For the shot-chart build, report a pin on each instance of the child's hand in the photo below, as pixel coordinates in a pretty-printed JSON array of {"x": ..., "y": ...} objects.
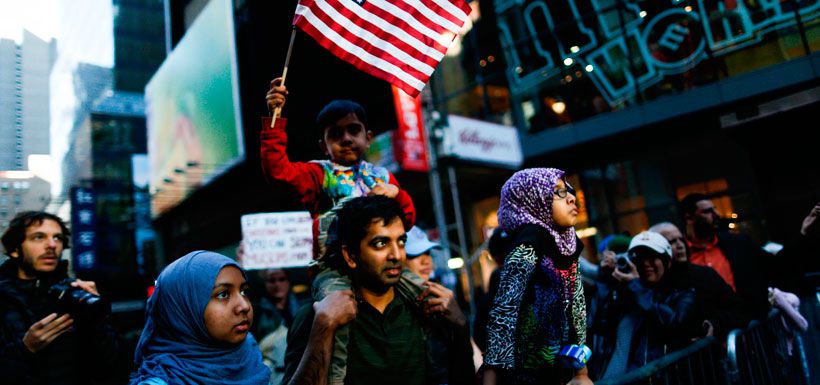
[
  {"x": 276, "y": 95},
  {"x": 440, "y": 300},
  {"x": 385, "y": 189}
]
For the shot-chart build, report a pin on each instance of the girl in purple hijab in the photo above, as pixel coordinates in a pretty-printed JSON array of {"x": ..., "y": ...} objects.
[{"x": 540, "y": 307}]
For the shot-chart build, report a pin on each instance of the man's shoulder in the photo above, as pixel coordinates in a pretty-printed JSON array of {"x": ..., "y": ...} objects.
[
  {"x": 10, "y": 290},
  {"x": 735, "y": 240},
  {"x": 699, "y": 273}
]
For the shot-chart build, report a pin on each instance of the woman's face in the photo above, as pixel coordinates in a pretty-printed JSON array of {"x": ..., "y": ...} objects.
[
  {"x": 229, "y": 313},
  {"x": 421, "y": 265},
  {"x": 277, "y": 284},
  {"x": 564, "y": 210}
]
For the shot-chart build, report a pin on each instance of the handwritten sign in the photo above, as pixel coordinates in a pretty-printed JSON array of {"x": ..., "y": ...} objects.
[{"x": 273, "y": 240}]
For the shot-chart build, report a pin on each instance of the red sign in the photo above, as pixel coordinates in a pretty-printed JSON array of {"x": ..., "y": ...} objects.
[{"x": 410, "y": 144}]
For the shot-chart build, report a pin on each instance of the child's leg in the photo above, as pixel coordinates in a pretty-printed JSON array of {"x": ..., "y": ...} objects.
[
  {"x": 410, "y": 285},
  {"x": 327, "y": 281}
]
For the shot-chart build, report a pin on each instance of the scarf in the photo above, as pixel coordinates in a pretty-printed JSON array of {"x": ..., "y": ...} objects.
[
  {"x": 527, "y": 198},
  {"x": 175, "y": 345}
]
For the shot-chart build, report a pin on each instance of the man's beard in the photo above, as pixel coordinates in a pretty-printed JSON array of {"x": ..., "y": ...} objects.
[
  {"x": 704, "y": 230},
  {"x": 372, "y": 282},
  {"x": 27, "y": 266}
]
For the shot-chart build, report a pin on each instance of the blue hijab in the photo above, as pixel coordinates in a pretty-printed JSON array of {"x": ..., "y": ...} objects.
[{"x": 175, "y": 345}]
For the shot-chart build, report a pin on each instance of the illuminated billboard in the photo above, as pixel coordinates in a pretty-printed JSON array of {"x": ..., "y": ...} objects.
[{"x": 192, "y": 110}]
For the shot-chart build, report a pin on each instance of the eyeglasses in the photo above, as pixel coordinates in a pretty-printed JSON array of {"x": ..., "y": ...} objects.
[{"x": 562, "y": 192}]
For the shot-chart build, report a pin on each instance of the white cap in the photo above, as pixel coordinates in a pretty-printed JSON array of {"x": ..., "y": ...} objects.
[
  {"x": 417, "y": 243},
  {"x": 653, "y": 241}
]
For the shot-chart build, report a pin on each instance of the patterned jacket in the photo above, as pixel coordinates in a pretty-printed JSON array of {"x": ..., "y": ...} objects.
[{"x": 539, "y": 306}]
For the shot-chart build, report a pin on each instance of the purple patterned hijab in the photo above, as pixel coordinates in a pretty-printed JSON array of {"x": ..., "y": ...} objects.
[{"x": 527, "y": 198}]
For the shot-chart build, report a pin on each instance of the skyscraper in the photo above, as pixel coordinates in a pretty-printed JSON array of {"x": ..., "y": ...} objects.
[{"x": 24, "y": 99}]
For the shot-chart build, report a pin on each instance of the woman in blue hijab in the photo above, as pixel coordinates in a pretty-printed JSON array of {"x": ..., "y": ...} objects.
[{"x": 196, "y": 329}]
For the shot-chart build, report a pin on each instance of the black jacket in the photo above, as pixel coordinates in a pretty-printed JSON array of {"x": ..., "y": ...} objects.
[
  {"x": 665, "y": 322},
  {"x": 754, "y": 270},
  {"x": 716, "y": 301},
  {"x": 77, "y": 357},
  {"x": 799, "y": 263}
]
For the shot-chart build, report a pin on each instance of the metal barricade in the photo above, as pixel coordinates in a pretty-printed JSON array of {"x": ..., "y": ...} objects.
[
  {"x": 766, "y": 352},
  {"x": 701, "y": 363}
]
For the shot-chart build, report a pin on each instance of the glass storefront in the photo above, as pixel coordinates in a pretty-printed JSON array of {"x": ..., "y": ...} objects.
[{"x": 542, "y": 64}]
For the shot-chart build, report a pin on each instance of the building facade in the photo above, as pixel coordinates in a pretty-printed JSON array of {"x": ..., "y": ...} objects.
[
  {"x": 21, "y": 191},
  {"x": 24, "y": 99},
  {"x": 99, "y": 167},
  {"x": 645, "y": 102}
]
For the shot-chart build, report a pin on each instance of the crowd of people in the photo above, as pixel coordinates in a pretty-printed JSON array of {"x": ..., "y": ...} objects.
[{"x": 376, "y": 313}]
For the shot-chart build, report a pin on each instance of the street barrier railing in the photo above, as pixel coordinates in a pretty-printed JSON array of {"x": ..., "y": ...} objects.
[
  {"x": 766, "y": 352},
  {"x": 701, "y": 363}
]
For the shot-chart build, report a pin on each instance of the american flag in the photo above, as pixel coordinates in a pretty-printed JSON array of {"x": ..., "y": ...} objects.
[{"x": 400, "y": 41}]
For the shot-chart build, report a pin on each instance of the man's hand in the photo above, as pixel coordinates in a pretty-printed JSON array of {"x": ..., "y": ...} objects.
[
  {"x": 810, "y": 219},
  {"x": 88, "y": 286},
  {"x": 45, "y": 331},
  {"x": 626, "y": 277},
  {"x": 440, "y": 300},
  {"x": 385, "y": 189},
  {"x": 708, "y": 331},
  {"x": 708, "y": 328},
  {"x": 276, "y": 95},
  {"x": 337, "y": 309}
]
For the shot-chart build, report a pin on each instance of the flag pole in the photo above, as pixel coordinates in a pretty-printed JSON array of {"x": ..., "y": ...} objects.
[{"x": 278, "y": 110}]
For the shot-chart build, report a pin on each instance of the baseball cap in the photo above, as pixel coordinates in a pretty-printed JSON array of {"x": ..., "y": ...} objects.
[
  {"x": 652, "y": 240},
  {"x": 616, "y": 243},
  {"x": 417, "y": 243}
]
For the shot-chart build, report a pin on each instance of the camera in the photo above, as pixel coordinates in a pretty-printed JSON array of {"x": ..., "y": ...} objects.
[
  {"x": 78, "y": 302},
  {"x": 622, "y": 263}
]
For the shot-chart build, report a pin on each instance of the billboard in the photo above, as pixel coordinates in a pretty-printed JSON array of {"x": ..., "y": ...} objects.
[
  {"x": 484, "y": 142},
  {"x": 193, "y": 110}
]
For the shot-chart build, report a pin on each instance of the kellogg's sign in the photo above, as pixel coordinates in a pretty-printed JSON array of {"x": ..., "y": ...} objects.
[{"x": 482, "y": 141}]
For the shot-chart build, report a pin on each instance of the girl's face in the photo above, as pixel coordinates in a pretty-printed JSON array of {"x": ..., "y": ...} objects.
[
  {"x": 422, "y": 265},
  {"x": 564, "y": 210},
  {"x": 229, "y": 313}
]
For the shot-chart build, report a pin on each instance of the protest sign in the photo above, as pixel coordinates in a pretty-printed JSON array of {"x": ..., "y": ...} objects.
[{"x": 275, "y": 240}]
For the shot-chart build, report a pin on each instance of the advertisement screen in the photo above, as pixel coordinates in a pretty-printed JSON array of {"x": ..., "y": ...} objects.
[{"x": 192, "y": 108}]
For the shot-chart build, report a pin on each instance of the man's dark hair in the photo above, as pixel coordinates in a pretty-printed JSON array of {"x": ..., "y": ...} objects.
[
  {"x": 355, "y": 217},
  {"x": 336, "y": 110},
  {"x": 16, "y": 233},
  {"x": 689, "y": 203},
  {"x": 499, "y": 244}
]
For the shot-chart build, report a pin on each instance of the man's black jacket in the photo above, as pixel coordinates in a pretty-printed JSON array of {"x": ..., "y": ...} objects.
[{"x": 80, "y": 356}]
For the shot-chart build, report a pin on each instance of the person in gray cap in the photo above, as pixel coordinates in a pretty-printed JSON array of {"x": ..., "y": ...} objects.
[
  {"x": 642, "y": 316},
  {"x": 418, "y": 248}
]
